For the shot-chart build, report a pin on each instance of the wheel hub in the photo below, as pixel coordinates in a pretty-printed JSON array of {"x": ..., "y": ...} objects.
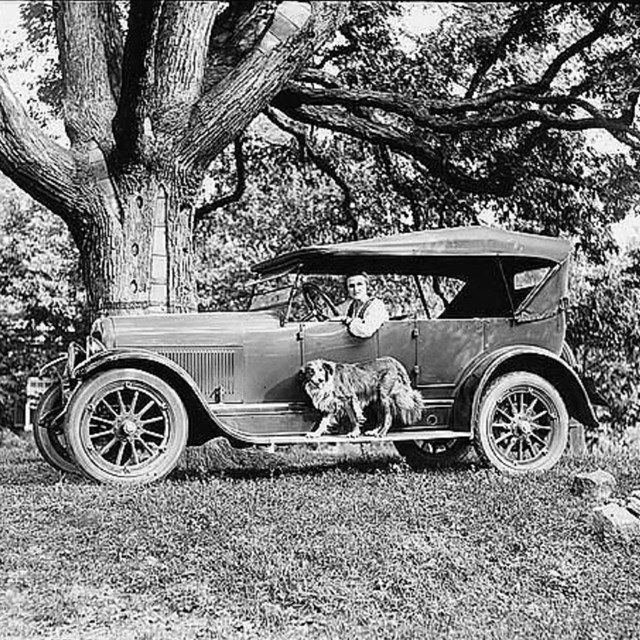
[
  {"x": 129, "y": 428},
  {"x": 522, "y": 427}
]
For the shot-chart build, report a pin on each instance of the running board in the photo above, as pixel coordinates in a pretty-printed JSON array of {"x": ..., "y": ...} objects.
[{"x": 424, "y": 434}]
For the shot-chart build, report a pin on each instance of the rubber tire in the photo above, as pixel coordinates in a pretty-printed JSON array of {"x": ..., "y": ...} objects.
[
  {"x": 52, "y": 448},
  {"x": 77, "y": 428},
  {"x": 482, "y": 432},
  {"x": 417, "y": 458}
]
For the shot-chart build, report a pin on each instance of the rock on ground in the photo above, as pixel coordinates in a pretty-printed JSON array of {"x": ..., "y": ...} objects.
[
  {"x": 597, "y": 485},
  {"x": 614, "y": 520}
]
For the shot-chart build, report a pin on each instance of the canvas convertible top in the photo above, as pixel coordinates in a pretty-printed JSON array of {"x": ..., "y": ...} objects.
[{"x": 460, "y": 249}]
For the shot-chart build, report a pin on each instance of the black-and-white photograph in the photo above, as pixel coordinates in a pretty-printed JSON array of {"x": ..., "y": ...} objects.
[{"x": 319, "y": 320}]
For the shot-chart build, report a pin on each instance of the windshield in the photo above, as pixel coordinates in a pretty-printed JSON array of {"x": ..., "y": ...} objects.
[{"x": 319, "y": 297}]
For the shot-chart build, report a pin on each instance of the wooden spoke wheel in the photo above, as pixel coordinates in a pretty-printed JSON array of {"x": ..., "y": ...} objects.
[
  {"x": 126, "y": 426},
  {"x": 522, "y": 424}
]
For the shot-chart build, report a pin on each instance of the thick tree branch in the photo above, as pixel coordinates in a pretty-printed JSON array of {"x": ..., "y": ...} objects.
[
  {"x": 322, "y": 162},
  {"x": 224, "y": 112},
  {"x": 206, "y": 209},
  {"x": 499, "y": 183},
  {"x": 422, "y": 112},
  {"x": 164, "y": 64},
  {"x": 35, "y": 163},
  {"x": 297, "y": 95},
  {"x": 113, "y": 46},
  {"x": 181, "y": 54},
  {"x": 85, "y": 58},
  {"x": 318, "y": 76}
]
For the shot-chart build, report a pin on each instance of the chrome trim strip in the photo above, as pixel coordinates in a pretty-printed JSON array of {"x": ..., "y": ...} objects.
[
  {"x": 297, "y": 438},
  {"x": 444, "y": 385}
]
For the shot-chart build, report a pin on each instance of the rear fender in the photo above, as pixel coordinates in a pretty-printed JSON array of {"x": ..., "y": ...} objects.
[
  {"x": 202, "y": 423},
  {"x": 544, "y": 363}
]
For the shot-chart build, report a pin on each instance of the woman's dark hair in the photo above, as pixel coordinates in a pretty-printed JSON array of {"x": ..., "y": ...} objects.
[{"x": 353, "y": 274}]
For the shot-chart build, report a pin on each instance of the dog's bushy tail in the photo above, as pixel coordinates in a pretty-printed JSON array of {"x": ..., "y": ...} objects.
[{"x": 408, "y": 406}]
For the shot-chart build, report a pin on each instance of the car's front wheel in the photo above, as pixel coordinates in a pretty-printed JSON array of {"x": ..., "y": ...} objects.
[
  {"x": 421, "y": 454},
  {"x": 126, "y": 426},
  {"x": 522, "y": 423},
  {"x": 48, "y": 432}
]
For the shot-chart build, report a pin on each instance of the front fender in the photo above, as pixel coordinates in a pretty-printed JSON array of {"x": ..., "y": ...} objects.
[
  {"x": 524, "y": 358},
  {"x": 203, "y": 424}
]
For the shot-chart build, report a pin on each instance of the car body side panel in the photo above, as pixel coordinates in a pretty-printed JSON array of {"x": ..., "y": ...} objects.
[
  {"x": 272, "y": 360},
  {"x": 444, "y": 347},
  {"x": 546, "y": 333}
]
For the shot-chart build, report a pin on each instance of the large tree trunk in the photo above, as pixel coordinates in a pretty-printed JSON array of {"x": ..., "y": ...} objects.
[{"x": 141, "y": 260}]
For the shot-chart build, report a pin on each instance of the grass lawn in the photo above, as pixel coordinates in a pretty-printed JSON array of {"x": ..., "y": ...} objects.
[{"x": 303, "y": 544}]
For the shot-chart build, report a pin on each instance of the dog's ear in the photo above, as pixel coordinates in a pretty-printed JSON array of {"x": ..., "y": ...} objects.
[{"x": 329, "y": 368}]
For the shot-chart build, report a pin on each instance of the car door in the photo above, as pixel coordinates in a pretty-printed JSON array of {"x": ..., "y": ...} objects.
[
  {"x": 332, "y": 341},
  {"x": 445, "y": 347},
  {"x": 398, "y": 338}
]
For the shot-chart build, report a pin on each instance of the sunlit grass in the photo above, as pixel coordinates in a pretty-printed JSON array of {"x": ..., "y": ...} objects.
[{"x": 307, "y": 543}]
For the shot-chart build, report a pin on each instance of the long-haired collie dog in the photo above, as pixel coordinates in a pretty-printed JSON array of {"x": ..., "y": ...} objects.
[{"x": 348, "y": 393}]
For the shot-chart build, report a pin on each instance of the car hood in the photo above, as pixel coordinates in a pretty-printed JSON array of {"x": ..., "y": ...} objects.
[{"x": 177, "y": 330}]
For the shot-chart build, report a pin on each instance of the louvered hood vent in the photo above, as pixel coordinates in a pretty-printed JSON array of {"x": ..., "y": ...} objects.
[{"x": 216, "y": 370}]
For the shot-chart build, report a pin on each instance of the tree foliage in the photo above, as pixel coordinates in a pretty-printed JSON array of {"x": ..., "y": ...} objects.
[
  {"x": 604, "y": 328},
  {"x": 40, "y": 297}
]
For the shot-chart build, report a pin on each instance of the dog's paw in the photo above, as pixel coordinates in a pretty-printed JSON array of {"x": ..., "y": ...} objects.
[
  {"x": 356, "y": 433},
  {"x": 313, "y": 435}
]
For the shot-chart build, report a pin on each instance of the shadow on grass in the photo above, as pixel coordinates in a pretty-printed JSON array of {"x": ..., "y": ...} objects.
[
  {"x": 251, "y": 464},
  {"x": 362, "y": 467},
  {"x": 21, "y": 465}
]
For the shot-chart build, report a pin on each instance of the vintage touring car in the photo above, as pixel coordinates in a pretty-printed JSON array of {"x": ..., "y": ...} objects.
[{"x": 477, "y": 317}]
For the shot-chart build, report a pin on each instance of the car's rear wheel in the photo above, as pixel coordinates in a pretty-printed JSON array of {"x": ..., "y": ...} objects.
[
  {"x": 48, "y": 431},
  {"x": 421, "y": 454},
  {"x": 522, "y": 424},
  {"x": 126, "y": 426}
]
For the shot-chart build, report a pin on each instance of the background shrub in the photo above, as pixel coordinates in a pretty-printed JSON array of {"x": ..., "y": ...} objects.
[{"x": 40, "y": 296}]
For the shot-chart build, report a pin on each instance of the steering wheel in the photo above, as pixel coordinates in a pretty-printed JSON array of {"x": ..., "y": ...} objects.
[{"x": 319, "y": 303}]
